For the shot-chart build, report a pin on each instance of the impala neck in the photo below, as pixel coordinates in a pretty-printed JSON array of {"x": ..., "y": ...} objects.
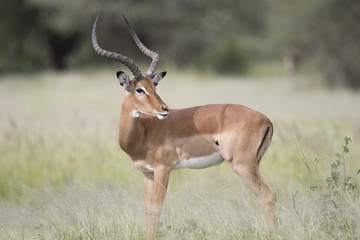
[{"x": 130, "y": 129}]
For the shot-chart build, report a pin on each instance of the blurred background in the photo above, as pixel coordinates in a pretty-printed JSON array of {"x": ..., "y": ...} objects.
[
  {"x": 62, "y": 173},
  {"x": 232, "y": 37}
]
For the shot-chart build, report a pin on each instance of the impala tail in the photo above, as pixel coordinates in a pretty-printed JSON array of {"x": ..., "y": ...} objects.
[{"x": 265, "y": 143}]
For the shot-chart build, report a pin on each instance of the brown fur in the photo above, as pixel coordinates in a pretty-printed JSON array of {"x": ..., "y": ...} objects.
[{"x": 155, "y": 146}]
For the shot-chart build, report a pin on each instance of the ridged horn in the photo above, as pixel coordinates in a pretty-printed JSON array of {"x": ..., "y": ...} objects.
[
  {"x": 115, "y": 56},
  {"x": 153, "y": 55}
]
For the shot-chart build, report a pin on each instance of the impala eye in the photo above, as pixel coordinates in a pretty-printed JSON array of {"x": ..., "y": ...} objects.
[{"x": 140, "y": 90}]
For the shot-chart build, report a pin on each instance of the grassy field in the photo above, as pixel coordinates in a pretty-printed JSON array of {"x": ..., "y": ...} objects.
[{"x": 63, "y": 175}]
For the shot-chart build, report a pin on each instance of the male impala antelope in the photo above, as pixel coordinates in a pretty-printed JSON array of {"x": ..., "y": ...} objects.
[{"x": 159, "y": 139}]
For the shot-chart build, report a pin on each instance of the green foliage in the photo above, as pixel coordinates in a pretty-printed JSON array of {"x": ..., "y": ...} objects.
[
  {"x": 56, "y": 34},
  {"x": 19, "y": 44},
  {"x": 336, "y": 37},
  {"x": 229, "y": 57},
  {"x": 39, "y": 34},
  {"x": 336, "y": 196},
  {"x": 326, "y": 32}
]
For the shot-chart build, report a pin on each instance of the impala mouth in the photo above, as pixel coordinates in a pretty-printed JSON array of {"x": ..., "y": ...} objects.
[{"x": 162, "y": 116}]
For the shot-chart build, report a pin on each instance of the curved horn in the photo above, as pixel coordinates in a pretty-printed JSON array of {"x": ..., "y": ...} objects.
[
  {"x": 153, "y": 55},
  {"x": 115, "y": 56}
]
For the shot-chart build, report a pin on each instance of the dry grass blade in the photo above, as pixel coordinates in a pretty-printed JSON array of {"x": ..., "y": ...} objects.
[{"x": 303, "y": 156}]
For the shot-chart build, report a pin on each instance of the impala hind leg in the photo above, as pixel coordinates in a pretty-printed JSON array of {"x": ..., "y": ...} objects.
[{"x": 251, "y": 175}]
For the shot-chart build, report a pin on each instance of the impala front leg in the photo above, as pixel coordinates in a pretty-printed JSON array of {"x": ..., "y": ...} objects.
[
  {"x": 155, "y": 190},
  {"x": 149, "y": 186}
]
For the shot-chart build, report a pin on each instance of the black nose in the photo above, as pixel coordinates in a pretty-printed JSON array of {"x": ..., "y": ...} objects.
[{"x": 165, "y": 109}]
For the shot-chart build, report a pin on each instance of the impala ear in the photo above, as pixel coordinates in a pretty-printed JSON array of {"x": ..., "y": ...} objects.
[
  {"x": 157, "y": 78},
  {"x": 124, "y": 80}
]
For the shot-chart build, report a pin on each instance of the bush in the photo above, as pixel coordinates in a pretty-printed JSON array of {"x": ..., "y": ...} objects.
[
  {"x": 229, "y": 57},
  {"x": 336, "y": 197}
]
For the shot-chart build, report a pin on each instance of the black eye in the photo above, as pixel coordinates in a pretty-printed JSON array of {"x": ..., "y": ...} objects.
[{"x": 140, "y": 90}]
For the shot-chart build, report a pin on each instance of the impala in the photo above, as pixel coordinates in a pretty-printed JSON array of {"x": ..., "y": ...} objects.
[{"x": 159, "y": 139}]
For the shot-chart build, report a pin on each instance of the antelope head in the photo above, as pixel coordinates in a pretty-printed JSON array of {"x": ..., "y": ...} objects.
[{"x": 141, "y": 90}]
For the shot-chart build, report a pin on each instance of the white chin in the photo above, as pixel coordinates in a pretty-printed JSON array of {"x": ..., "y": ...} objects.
[{"x": 161, "y": 117}]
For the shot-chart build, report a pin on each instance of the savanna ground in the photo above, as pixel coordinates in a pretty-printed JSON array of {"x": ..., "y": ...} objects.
[{"x": 63, "y": 176}]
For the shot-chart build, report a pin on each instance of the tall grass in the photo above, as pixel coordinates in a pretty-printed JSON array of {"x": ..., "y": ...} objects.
[{"x": 63, "y": 176}]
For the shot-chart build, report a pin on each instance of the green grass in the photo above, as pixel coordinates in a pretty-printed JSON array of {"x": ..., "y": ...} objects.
[{"x": 63, "y": 176}]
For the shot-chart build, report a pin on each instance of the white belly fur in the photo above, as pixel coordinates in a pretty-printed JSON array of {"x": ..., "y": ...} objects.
[
  {"x": 147, "y": 169},
  {"x": 201, "y": 162}
]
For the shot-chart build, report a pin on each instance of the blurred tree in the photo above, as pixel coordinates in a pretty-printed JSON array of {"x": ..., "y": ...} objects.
[
  {"x": 182, "y": 31},
  {"x": 18, "y": 28},
  {"x": 325, "y": 32},
  {"x": 223, "y": 36},
  {"x": 337, "y": 40},
  {"x": 63, "y": 27}
]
